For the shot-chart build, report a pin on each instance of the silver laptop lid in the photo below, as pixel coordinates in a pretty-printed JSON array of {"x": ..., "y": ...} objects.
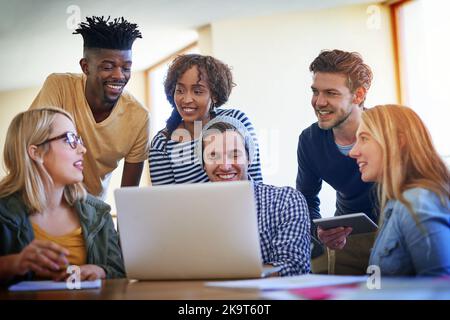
[{"x": 195, "y": 231}]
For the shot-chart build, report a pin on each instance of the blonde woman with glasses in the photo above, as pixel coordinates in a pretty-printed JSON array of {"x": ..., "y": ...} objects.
[
  {"x": 394, "y": 149},
  {"x": 47, "y": 220}
]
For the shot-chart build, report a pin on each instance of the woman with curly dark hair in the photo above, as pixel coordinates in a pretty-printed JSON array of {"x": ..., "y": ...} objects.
[{"x": 196, "y": 86}]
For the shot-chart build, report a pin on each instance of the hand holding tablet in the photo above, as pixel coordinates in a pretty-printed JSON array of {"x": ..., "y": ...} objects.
[
  {"x": 333, "y": 231},
  {"x": 359, "y": 222}
]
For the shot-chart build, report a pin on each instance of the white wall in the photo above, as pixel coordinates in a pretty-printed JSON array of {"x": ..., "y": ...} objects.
[
  {"x": 270, "y": 57},
  {"x": 11, "y": 103}
]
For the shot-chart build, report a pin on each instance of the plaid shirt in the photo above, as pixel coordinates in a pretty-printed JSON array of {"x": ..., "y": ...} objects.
[{"x": 284, "y": 225}]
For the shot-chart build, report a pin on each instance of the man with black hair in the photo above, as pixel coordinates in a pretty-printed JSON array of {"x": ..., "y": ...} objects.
[{"x": 112, "y": 123}]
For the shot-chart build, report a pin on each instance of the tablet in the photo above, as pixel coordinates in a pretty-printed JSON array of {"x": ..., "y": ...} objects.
[{"x": 360, "y": 223}]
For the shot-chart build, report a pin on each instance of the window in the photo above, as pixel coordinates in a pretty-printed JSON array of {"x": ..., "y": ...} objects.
[{"x": 422, "y": 33}]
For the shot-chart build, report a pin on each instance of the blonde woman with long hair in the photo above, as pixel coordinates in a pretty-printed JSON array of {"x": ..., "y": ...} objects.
[
  {"x": 47, "y": 220},
  {"x": 395, "y": 150}
]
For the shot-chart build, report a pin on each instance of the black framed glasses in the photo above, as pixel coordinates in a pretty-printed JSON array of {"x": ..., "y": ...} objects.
[{"x": 71, "y": 138}]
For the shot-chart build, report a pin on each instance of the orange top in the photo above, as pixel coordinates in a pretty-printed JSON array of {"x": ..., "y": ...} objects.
[{"x": 73, "y": 241}]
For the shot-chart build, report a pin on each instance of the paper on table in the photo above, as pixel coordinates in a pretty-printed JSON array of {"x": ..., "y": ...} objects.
[
  {"x": 52, "y": 285},
  {"x": 296, "y": 282}
]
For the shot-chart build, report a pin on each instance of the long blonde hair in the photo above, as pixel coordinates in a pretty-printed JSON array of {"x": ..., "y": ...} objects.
[
  {"x": 24, "y": 175},
  {"x": 409, "y": 157}
]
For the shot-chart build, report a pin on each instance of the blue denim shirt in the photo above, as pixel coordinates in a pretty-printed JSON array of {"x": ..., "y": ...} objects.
[{"x": 402, "y": 248}]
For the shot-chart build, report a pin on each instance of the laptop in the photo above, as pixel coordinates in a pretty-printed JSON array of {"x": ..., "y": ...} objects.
[{"x": 190, "y": 231}]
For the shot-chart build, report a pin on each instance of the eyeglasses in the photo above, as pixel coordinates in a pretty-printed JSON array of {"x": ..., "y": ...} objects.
[{"x": 71, "y": 138}]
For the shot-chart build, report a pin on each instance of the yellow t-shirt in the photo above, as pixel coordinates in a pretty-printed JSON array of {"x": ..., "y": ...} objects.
[
  {"x": 73, "y": 241},
  {"x": 124, "y": 134}
]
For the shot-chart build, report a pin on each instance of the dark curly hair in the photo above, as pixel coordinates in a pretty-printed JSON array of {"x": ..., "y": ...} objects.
[
  {"x": 350, "y": 64},
  {"x": 216, "y": 73},
  {"x": 98, "y": 32}
]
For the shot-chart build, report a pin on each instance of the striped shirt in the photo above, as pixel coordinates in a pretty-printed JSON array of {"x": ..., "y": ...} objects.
[
  {"x": 283, "y": 223},
  {"x": 174, "y": 162}
]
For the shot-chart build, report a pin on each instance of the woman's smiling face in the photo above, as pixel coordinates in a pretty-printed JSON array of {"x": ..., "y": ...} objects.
[
  {"x": 193, "y": 96},
  {"x": 368, "y": 154}
]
